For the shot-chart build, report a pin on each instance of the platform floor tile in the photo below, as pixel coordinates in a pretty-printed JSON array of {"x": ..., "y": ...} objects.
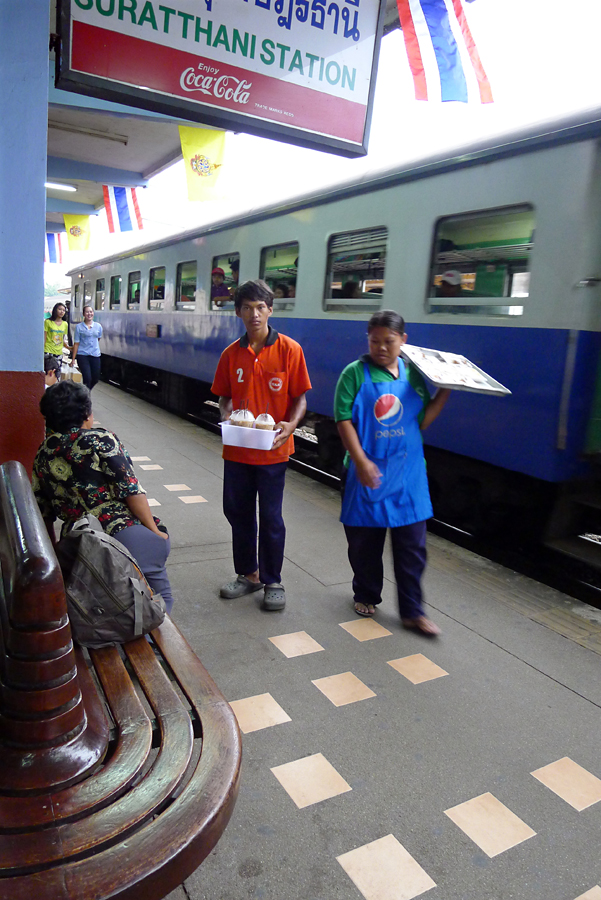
[
  {"x": 140, "y": 459},
  {"x": 490, "y": 824},
  {"x": 344, "y": 688},
  {"x": 193, "y": 499},
  {"x": 417, "y": 668},
  {"x": 153, "y": 502},
  {"x": 256, "y": 713},
  {"x": 177, "y": 487},
  {"x": 385, "y": 870},
  {"x": 154, "y": 467},
  {"x": 298, "y": 643},
  {"x": 571, "y": 782},
  {"x": 365, "y": 629},
  {"x": 310, "y": 780},
  {"x": 593, "y": 894}
]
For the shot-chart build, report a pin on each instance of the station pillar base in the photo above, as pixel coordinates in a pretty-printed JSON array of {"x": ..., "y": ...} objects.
[{"x": 21, "y": 424}]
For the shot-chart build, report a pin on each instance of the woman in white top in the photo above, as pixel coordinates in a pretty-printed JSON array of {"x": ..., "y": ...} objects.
[{"x": 86, "y": 349}]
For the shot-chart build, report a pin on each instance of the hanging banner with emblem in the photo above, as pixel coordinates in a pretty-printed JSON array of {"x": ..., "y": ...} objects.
[{"x": 300, "y": 71}]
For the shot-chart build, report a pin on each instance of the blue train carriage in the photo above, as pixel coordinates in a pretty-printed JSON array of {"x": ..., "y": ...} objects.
[{"x": 516, "y": 222}]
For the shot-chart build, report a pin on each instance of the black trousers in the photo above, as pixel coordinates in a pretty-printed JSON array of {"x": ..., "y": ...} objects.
[
  {"x": 365, "y": 550},
  {"x": 90, "y": 369}
]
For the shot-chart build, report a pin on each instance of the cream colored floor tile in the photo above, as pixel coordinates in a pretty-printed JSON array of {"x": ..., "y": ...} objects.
[
  {"x": 384, "y": 870},
  {"x": 151, "y": 468},
  {"x": 417, "y": 668},
  {"x": 593, "y": 894},
  {"x": 298, "y": 643},
  {"x": 490, "y": 824},
  {"x": 261, "y": 711},
  {"x": 343, "y": 689},
  {"x": 571, "y": 782},
  {"x": 365, "y": 629},
  {"x": 177, "y": 487},
  {"x": 310, "y": 780},
  {"x": 140, "y": 459},
  {"x": 152, "y": 502},
  {"x": 196, "y": 499}
]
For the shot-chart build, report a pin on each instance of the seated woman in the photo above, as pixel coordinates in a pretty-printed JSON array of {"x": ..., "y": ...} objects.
[{"x": 80, "y": 469}]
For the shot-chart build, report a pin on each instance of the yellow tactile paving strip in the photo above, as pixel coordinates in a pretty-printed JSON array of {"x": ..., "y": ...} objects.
[
  {"x": 571, "y": 782},
  {"x": 384, "y": 870}
]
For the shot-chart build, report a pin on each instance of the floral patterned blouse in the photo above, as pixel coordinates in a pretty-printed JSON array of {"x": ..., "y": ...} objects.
[{"x": 85, "y": 471}]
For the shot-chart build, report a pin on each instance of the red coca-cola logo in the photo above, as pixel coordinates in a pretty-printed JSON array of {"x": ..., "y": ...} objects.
[{"x": 224, "y": 87}]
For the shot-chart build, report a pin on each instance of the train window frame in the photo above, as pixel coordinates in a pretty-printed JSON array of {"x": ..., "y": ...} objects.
[
  {"x": 371, "y": 240},
  {"x": 115, "y": 301},
  {"x": 224, "y": 261},
  {"x": 283, "y": 303},
  {"x": 76, "y": 295},
  {"x": 100, "y": 293},
  {"x": 134, "y": 278},
  {"x": 187, "y": 305},
  {"x": 506, "y": 259},
  {"x": 156, "y": 304},
  {"x": 88, "y": 299}
]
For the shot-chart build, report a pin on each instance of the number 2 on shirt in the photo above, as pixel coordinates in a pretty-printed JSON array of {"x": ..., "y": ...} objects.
[{"x": 240, "y": 373}]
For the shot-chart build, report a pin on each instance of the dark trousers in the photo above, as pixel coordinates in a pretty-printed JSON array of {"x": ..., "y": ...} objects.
[
  {"x": 150, "y": 552},
  {"x": 242, "y": 484},
  {"x": 365, "y": 549},
  {"x": 89, "y": 367}
]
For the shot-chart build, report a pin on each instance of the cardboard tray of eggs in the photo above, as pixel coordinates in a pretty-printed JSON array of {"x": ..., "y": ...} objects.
[
  {"x": 243, "y": 430},
  {"x": 450, "y": 370}
]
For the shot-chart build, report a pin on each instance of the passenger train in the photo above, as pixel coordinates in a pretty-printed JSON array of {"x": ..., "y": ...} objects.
[{"x": 518, "y": 221}]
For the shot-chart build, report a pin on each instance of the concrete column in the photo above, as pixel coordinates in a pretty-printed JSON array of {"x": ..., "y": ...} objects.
[{"x": 24, "y": 36}]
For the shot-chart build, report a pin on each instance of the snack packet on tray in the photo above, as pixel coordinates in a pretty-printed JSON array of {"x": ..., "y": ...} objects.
[{"x": 450, "y": 370}]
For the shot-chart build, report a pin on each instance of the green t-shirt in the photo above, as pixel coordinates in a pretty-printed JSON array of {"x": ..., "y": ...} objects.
[
  {"x": 353, "y": 377},
  {"x": 54, "y": 333}
]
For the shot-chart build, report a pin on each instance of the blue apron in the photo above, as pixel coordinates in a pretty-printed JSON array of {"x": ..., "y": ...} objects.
[{"x": 385, "y": 415}]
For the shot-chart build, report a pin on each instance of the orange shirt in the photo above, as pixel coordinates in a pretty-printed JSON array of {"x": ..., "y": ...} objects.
[{"x": 277, "y": 376}]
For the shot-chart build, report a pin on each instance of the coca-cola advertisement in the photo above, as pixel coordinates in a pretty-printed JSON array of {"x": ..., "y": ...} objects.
[{"x": 301, "y": 71}]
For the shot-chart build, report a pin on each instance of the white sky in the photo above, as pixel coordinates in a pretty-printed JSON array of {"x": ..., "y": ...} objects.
[{"x": 540, "y": 56}]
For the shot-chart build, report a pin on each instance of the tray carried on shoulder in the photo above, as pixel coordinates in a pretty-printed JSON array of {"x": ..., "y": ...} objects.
[{"x": 451, "y": 370}]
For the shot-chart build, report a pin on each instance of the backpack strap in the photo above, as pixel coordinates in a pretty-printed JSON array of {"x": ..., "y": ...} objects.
[
  {"x": 138, "y": 607},
  {"x": 88, "y": 521}
]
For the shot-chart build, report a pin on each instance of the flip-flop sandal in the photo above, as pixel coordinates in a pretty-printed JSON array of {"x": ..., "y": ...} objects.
[
  {"x": 365, "y": 611},
  {"x": 423, "y": 625}
]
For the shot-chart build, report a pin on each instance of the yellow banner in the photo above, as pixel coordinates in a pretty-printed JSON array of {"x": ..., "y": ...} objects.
[
  {"x": 203, "y": 151},
  {"x": 78, "y": 232}
]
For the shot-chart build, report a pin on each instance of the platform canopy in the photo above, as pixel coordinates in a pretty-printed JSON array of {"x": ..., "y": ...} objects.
[{"x": 94, "y": 142}]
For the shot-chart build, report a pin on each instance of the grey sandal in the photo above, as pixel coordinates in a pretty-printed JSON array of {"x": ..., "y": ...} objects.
[{"x": 275, "y": 597}]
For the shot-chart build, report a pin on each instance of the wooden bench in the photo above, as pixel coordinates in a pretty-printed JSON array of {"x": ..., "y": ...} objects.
[{"x": 119, "y": 768}]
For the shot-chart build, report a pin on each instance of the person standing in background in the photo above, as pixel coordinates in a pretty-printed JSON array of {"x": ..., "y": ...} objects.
[
  {"x": 56, "y": 331},
  {"x": 86, "y": 348}
]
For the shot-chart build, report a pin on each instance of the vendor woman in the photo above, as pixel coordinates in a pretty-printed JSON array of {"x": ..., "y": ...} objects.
[{"x": 381, "y": 406}]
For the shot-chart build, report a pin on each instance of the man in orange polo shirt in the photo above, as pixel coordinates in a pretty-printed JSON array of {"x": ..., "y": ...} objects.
[{"x": 263, "y": 369}]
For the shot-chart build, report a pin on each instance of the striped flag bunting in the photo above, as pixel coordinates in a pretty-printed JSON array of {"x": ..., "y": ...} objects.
[
  {"x": 443, "y": 57},
  {"x": 122, "y": 210},
  {"x": 53, "y": 248}
]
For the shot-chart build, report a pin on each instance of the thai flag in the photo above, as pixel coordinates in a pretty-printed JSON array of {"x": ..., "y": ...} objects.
[
  {"x": 122, "y": 210},
  {"x": 442, "y": 54},
  {"x": 53, "y": 249}
]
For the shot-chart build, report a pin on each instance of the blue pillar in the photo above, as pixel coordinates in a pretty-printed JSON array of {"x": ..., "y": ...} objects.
[{"x": 24, "y": 36}]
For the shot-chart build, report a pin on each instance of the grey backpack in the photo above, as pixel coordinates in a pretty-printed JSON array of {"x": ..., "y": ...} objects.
[{"x": 108, "y": 598}]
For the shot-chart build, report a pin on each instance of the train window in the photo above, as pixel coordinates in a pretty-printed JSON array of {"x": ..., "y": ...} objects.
[
  {"x": 224, "y": 285},
  {"x": 481, "y": 262},
  {"x": 87, "y": 293},
  {"x": 185, "y": 289},
  {"x": 133, "y": 290},
  {"x": 279, "y": 265},
  {"x": 156, "y": 289},
  {"x": 76, "y": 296},
  {"x": 356, "y": 265},
  {"x": 115, "y": 292},
  {"x": 100, "y": 293}
]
